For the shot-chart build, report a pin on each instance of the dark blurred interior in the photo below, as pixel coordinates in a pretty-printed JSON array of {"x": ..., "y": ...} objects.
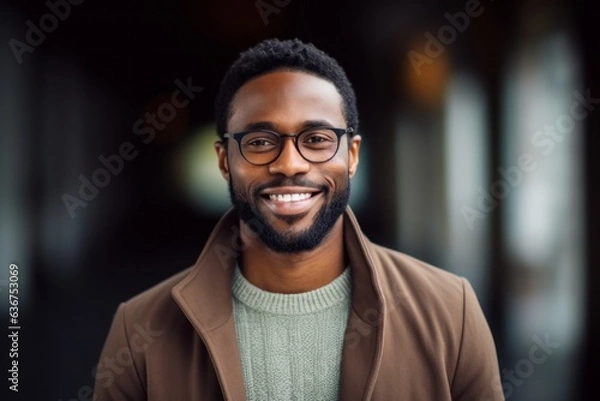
[{"x": 472, "y": 160}]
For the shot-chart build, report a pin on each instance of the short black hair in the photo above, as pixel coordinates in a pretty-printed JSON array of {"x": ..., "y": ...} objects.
[{"x": 274, "y": 54}]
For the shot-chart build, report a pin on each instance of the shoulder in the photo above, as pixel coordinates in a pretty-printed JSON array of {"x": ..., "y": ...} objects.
[
  {"x": 435, "y": 318},
  {"x": 149, "y": 318},
  {"x": 156, "y": 303},
  {"x": 432, "y": 303},
  {"x": 402, "y": 275},
  {"x": 434, "y": 300}
]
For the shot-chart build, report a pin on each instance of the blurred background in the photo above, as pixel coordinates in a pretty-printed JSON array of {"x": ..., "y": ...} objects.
[{"x": 480, "y": 124}]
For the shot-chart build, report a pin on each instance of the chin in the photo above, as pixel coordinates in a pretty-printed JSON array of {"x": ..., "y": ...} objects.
[{"x": 291, "y": 233}]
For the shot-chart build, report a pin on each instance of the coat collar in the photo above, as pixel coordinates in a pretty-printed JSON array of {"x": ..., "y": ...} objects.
[{"x": 205, "y": 298}]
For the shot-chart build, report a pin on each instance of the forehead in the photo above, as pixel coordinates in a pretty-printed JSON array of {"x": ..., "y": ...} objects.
[{"x": 286, "y": 99}]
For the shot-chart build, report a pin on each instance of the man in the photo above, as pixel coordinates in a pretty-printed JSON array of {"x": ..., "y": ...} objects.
[{"x": 289, "y": 300}]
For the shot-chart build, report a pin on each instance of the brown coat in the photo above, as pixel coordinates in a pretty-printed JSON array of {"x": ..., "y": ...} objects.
[{"x": 415, "y": 332}]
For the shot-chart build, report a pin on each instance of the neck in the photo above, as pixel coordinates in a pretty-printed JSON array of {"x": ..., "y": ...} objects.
[{"x": 293, "y": 273}]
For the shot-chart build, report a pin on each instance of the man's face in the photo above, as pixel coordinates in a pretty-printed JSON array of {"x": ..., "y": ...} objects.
[{"x": 292, "y": 202}]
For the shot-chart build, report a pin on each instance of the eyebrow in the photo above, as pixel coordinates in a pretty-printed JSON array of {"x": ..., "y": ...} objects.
[{"x": 272, "y": 127}]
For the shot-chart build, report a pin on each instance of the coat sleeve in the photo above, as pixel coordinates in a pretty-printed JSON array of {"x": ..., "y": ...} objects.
[
  {"x": 477, "y": 377},
  {"x": 117, "y": 377}
]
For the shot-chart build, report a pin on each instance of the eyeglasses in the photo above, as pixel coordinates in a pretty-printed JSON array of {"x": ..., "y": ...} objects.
[{"x": 316, "y": 145}]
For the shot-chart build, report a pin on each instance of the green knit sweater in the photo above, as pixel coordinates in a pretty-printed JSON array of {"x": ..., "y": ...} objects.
[{"x": 291, "y": 344}]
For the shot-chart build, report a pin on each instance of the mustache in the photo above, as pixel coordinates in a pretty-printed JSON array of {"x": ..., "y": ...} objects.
[{"x": 290, "y": 181}]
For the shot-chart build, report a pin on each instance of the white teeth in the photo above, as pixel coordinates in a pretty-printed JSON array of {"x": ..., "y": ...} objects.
[{"x": 289, "y": 197}]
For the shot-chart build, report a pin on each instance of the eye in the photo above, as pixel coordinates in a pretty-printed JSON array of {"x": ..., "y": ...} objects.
[
  {"x": 260, "y": 142},
  {"x": 316, "y": 139},
  {"x": 319, "y": 139}
]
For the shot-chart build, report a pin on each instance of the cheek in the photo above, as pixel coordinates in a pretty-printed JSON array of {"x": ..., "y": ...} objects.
[
  {"x": 244, "y": 176},
  {"x": 336, "y": 174},
  {"x": 237, "y": 168},
  {"x": 340, "y": 166}
]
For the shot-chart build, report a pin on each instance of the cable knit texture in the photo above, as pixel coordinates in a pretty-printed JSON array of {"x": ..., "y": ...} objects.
[{"x": 291, "y": 344}]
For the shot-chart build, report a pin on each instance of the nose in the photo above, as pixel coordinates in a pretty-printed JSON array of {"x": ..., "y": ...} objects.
[{"x": 290, "y": 162}]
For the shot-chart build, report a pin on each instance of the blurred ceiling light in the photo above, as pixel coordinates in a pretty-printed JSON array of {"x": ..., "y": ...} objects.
[
  {"x": 427, "y": 86},
  {"x": 197, "y": 172}
]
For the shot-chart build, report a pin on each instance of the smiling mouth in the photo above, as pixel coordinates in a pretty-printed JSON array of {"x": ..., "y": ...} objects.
[
  {"x": 291, "y": 200},
  {"x": 295, "y": 197}
]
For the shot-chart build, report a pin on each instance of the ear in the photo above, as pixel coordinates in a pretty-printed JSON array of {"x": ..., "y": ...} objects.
[
  {"x": 353, "y": 148},
  {"x": 223, "y": 161}
]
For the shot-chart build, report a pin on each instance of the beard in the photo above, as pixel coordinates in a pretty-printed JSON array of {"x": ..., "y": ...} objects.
[{"x": 290, "y": 242}]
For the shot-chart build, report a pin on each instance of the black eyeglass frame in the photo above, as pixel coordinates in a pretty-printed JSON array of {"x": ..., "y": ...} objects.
[{"x": 238, "y": 136}]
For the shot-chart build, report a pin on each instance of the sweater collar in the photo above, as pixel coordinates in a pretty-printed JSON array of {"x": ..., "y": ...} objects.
[{"x": 329, "y": 295}]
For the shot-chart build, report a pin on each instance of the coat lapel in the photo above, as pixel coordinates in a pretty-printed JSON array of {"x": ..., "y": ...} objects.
[
  {"x": 363, "y": 343},
  {"x": 205, "y": 298}
]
